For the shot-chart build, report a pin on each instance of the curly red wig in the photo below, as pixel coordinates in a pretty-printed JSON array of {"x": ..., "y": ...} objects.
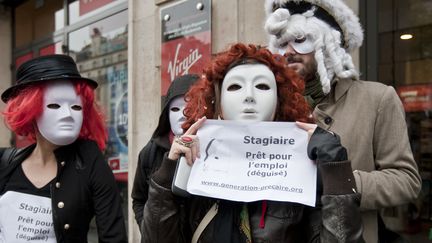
[
  {"x": 203, "y": 97},
  {"x": 22, "y": 110}
]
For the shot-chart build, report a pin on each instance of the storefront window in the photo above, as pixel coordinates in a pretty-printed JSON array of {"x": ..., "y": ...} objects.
[
  {"x": 405, "y": 61},
  {"x": 100, "y": 51},
  {"x": 35, "y": 20}
]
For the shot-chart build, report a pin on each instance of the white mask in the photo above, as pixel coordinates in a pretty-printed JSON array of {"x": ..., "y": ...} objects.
[
  {"x": 176, "y": 116},
  {"x": 62, "y": 115},
  {"x": 303, "y": 45},
  {"x": 249, "y": 92}
]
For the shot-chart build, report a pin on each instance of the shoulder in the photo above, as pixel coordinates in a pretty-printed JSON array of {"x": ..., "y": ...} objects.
[
  {"x": 371, "y": 87},
  {"x": 88, "y": 150},
  {"x": 377, "y": 96},
  {"x": 12, "y": 154},
  {"x": 154, "y": 145},
  {"x": 147, "y": 147},
  {"x": 369, "y": 91}
]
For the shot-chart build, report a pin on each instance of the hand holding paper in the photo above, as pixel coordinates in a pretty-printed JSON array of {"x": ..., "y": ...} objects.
[
  {"x": 249, "y": 161},
  {"x": 188, "y": 144}
]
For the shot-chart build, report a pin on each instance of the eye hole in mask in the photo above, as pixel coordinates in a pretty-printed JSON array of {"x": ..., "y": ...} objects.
[{"x": 302, "y": 45}]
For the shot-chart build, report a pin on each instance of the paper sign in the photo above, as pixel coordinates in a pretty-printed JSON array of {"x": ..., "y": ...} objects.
[
  {"x": 29, "y": 218},
  {"x": 244, "y": 161}
]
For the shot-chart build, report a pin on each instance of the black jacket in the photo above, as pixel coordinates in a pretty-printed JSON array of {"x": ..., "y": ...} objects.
[
  {"x": 335, "y": 219},
  {"x": 149, "y": 159},
  {"x": 86, "y": 187},
  {"x": 168, "y": 221}
]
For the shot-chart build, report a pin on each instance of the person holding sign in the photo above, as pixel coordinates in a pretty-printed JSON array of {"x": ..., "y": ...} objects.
[
  {"x": 170, "y": 125},
  {"x": 51, "y": 190},
  {"x": 248, "y": 83}
]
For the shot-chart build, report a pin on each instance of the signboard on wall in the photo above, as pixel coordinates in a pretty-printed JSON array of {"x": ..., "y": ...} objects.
[
  {"x": 186, "y": 39},
  {"x": 416, "y": 98}
]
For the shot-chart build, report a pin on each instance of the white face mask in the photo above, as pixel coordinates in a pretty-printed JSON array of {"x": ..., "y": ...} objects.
[
  {"x": 176, "y": 117},
  {"x": 62, "y": 115},
  {"x": 249, "y": 92},
  {"x": 303, "y": 45}
]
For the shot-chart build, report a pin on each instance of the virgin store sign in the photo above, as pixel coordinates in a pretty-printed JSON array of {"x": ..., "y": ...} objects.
[{"x": 186, "y": 40}]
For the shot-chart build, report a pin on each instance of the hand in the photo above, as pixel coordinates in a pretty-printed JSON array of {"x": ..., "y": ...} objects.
[
  {"x": 187, "y": 144},
  {"x": 308, "y": 127},
  {"x": 325, "y": 146}
]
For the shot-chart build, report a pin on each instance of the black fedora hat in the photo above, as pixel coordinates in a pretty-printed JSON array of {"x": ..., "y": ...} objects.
[{"x": 42, "y": 69}]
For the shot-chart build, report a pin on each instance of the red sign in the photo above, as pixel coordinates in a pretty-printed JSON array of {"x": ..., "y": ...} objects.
[
  {"x": 186, "y": 40},
  {"x": 183, "y": 56},
  {"x": 114, "y": 163},
  {"x": 86, "y": 6},
  {"x": 47, "y": 50},
  {"x": 416, "y": 97},
  {"x": 22, "y": 59}
]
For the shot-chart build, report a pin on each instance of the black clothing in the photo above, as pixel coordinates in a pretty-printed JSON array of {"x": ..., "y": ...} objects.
[
  {"x": 166, "y": 220},
  {"x": 336, "y": 219},
  {"x": 149, "y": 160},
  {"x": 150, "y": 157},
  {"x": 84, "y": 187},
  {"x": 20, "y": 183}
]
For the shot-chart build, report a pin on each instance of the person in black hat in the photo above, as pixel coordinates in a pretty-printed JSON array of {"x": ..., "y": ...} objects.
[
  {"x": 169, "y": 126},
  {"x": 50, "y": 191}
]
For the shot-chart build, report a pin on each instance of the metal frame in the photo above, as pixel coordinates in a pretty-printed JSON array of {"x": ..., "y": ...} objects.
[{"x": 369, "y": 50}]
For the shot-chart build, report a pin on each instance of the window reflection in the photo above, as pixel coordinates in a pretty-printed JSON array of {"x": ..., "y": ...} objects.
[
  {"x": 406, "y": 64},
  {"x": 100, "y": 50}
]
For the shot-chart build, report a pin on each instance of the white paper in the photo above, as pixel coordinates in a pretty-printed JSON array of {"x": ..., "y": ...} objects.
[
  {"x": 250, "y": 161},
  {"x": 26, "y": 218}
]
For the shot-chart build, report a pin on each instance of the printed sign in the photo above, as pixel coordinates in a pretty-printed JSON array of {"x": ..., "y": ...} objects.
[
  {"x": 416, "y": 98},
  {"x": 253, "y": 161},
  {"x": 29, "y": 218},
  {"x": 186, "y": 37}
]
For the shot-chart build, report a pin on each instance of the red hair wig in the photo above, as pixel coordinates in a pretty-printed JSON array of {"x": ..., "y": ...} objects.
[
  {"x": 203, "y": 97},
  {"x": 22, "y": 110}
]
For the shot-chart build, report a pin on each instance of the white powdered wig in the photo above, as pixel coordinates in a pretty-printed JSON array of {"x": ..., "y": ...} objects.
[
  {"x": 332, "y": 59},
  {"x": 343, "y": 15}
]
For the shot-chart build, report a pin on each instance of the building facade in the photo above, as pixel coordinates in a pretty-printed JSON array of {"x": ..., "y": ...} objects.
[{"x": 119, "y": 44}]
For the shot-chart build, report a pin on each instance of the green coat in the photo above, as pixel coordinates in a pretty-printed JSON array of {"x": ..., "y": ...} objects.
[{"x": 370, "y": 119}]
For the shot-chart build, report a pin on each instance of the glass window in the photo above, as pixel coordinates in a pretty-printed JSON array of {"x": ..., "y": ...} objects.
[
  {"x": 81, "y": 9},
  {"x": 405, "y": 61},
  {"x": 93, "y": 47},
  {"x": 96, "y": 49},
  {"x": 35, "y": 20}
]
